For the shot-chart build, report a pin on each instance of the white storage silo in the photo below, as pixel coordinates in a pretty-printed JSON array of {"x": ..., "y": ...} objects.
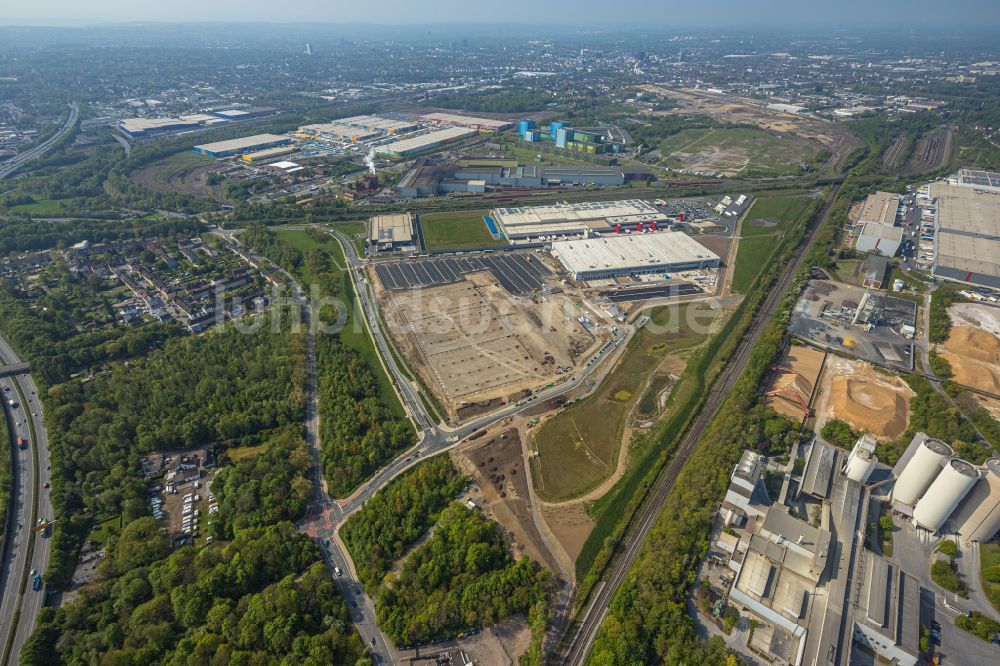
[
  {"x": 861, "y": 462},
  {"x": 860, "y": 465},
  {"x": 949, "y": 488},
  {"x": 978, "y": 517},
  {"x": 921, "y": 471}
]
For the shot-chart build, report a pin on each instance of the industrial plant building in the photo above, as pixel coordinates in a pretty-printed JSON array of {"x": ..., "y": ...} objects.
[
  {"x": 138, "y": 128},
  {"x": 566, "y": 219},
  {"x": 247, "y": 144},
  {"x": 984, "y": 180},
  {"x": 618, "y": 255},
  {"x": 789, "y": 574},
  {"x": 425, "y": 142},
  {"x": 940, "y": 491},
  {"x": 390, "y": 126},
  {"x": 391, "y": 232},
  {"x": 479, "y": 124},
  {"x": 966, "y": 239},
  {"x": 335, "y": 133},
  {"x": 268, "y": 153},
  {"x": 877, "y": 219}
]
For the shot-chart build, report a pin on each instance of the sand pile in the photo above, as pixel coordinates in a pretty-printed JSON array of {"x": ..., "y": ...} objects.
[
  {"x": 970, "y": 372},
  {"x": 873, "y": 407},
  {"x": 794, "y": 386},
  {"x": 973, "y": 343}
]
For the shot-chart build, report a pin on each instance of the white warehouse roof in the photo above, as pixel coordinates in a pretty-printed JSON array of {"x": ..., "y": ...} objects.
[{"x": 620, "y": 254}]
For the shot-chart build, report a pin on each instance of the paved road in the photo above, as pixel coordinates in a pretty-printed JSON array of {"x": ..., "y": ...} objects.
[
  {"x": 19, "y": 160},
  {"x": 597, "y": 608},
  {"x": 17, "y": 592},
  {"x": 326, "y": 515}
]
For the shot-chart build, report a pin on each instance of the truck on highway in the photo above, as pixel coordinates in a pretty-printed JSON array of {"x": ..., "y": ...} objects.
[
  {"x": 36, "y": 582},
  {"x": 21, "y": 442}
]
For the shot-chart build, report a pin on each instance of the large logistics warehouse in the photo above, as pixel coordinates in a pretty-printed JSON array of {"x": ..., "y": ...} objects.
[
  {"x": 879, "y": 232},
  {"x": 483, "y": 124},
  {"x": 566, "y": 219},
  {"x": 615, "y": 256},
  {"x": 336, "y": 132},
  {"x": 966, "y": 239},
  {"x": 425, "y": 142},
  {"x": 247, "y": 144}
]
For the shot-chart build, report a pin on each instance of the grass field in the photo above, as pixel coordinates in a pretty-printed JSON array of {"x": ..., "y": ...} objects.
[
  {"x": 105, "y": 530},
  {"x": 735, "y": 151},
  {"x": 526, "y": 155},
  {"x": 578, "y": 448},
  {"x": 989, "y": 553},
  {"x": 50, "y": 207},
  {"x": 759, "y": 242},
  {"x": 238, "y": 453},
  {"x": 466, "y": 228},
  {"x": 752, "y": 255},
  {"x": 773, "y": 209}
]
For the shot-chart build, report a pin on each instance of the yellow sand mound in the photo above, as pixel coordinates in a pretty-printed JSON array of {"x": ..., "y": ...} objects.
[
  {"x": 974, "y": 373},
  {"x": 868, "y": 406},
  {"x": 973, "y": 343}
]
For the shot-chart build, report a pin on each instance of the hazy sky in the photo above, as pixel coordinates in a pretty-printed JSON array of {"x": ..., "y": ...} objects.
[{"x": 651, "y": 13}]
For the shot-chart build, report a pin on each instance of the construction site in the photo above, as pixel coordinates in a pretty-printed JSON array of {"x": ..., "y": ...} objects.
[
  {"x": 868, "y": 400},
  {"x": 477, "y": 345}
]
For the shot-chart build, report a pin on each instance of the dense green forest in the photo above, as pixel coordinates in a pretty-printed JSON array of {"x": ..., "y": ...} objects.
[
  {"x": 263, "y": 598},
  {"x": 359, "y": 433},
  {"x": 513, "y": 100},
  {"x": 264, "y": 488},
  {"x": 222, "y": 387},
  {"x": 23, "y": 234},
  {"x": 462, "y": 577},
  {"x": 392, "y": 521},
  {"x": 6, "y": 476}
]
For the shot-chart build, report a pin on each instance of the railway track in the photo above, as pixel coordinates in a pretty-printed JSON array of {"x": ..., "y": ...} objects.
[{"x": 596, "y": 610}]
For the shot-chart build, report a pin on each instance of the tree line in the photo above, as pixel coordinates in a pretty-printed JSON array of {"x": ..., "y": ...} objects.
[
  {"x": 462, "y": 577},
  {"x": 224, "y": 387},
  {"x": 394, "y": 519},
  {"x": 262, "y": 598}
]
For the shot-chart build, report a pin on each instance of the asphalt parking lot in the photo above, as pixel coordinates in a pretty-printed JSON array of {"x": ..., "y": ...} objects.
[
  {"x": 647, "y": 293},
  {"x": 517, "y": 273}
]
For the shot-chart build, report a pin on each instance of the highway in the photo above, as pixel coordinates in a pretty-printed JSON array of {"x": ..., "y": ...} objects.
[
  {"x": 26, "y": 550},
  {"x": 596, "y": 609},
  {"x": 19, "y": 160}
]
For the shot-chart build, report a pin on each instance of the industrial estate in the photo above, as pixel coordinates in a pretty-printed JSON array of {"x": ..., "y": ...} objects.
[{"x": 569, "y": 349}]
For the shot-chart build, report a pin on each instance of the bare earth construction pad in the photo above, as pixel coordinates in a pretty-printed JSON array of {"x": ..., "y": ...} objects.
[
  {"x": 869, "y": 401},
  {"x": 473, "y": 343}
]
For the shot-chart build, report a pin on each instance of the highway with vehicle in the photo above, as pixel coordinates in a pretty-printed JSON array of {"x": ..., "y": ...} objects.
[
  {"x": 26, "y": 552},
  {"x": 13, "y": 164},
  {"x": 585, "y": 631}
]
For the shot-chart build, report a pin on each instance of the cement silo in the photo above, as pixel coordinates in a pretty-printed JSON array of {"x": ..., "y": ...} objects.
[
  {"x": 978, "y": 517},
  {"x": 861, "y": 462},
  {"x": 921, "y": 471},
  {"x": 860, "y": 466},
  {"x": 949, "y": 488}
]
